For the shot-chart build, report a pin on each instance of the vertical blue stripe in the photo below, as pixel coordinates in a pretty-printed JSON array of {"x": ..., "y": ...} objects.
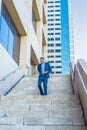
[{"x": 65, "y": 37}]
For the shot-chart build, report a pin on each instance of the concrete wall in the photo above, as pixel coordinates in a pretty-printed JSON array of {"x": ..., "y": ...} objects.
[
  {"x": 21, "y": 14},
  {"x": 79, "y": 81},
  {"x": 10, "y": 73}
]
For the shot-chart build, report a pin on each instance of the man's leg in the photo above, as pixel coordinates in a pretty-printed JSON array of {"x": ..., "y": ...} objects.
[
  {"x": 39, "y": 85},
  {"x": 45, "y": 85}
]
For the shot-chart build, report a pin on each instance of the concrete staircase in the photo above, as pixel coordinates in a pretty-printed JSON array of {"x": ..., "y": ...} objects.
[{"x": 24, "y": 109}]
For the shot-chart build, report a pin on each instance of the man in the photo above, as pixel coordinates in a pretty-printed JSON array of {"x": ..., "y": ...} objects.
[{"x": 44, "y": 69}]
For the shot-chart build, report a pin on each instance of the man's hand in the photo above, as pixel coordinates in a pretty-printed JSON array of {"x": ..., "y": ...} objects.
[{"x": 45, "y": 72}]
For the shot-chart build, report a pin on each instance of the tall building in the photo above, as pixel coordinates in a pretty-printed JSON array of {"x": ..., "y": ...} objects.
[
  {"x": 23, "y": 26},
  {"x": 60, "y": 36}
]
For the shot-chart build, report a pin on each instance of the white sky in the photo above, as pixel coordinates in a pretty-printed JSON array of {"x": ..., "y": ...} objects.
[{"x": 80, "y": 28}]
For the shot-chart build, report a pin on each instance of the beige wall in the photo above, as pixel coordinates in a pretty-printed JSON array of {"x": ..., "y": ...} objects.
[{"x": 21, "y": 14}]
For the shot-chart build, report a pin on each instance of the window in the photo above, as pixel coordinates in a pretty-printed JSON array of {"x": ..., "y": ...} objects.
[
  {"x": 58, "y": 66},
  {"x": 52, "y": 66},
  {"x": 50, "y": 10},
  {"x": 57, "y": 56},
  {"x": 50, "y": 45},
  {"x": 50, "y": 6},
  {"x": 57, "y": 44},
  {"x": 58, "y": 50},
  {"x": 9, "y": 36},
  {"x": 50, "y": 34},
  {"x": 57, "y": 19},
  {"x": 51, "y": 24},
  {"x": 50, "y": 19},
  {"x": 57, "y": 24},
  {"x": 50, "y": 28},
  {"x": 50, "y": 51},
  {"x": 51, "y": 61},
  {"x": 50, "y": 15},
  {"x": 57, "y": 10},
  {"x": 50, "y": 39},
  {"x": 57, "y": 39},
  {"x": 57, "y": 28},
  {"x": 57, "y": 14},
  {"x": 58, "y": 61},
  {"x": 57, "y": 33},
  {"x": 58, "y": 72},
  {"x": 50, "y": 1},
  {"x": 50, "y": 56},
  {"x": 57, "y": 1},
  {"x": 57, "y": 5}
]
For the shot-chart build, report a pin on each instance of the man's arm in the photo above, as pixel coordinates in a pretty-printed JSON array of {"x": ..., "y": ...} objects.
[{"x": 49, "y": 69}]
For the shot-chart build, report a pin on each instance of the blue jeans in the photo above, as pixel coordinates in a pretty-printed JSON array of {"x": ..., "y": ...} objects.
[{"x": 43, "y": 91}]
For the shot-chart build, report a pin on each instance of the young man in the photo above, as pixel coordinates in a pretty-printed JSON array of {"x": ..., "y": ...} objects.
[{"x": 44, "y": 69}]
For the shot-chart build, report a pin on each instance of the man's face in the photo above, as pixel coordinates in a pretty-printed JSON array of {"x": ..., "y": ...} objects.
[{"x": 41, "y": 60}]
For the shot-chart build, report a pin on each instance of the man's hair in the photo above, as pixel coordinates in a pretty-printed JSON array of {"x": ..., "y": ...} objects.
[{"x": 42, "y": 58}]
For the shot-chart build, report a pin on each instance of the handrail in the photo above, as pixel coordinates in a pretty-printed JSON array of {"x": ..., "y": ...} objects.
[
  {"x": 3, "y": 79},
  {"x": 85, "y": 89}
]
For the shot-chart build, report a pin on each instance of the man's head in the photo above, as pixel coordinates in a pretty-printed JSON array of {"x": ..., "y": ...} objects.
[{"x": 42, "y": 59}]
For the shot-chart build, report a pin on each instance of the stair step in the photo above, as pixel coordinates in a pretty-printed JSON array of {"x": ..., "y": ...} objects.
[
  {"x": 53, "y": 121},
  {"x": 42, "y": 114},
  {"x": 40, "y": 121},
  {"x": 35, "y": 127},
  {"x": 25, "y": 109}
]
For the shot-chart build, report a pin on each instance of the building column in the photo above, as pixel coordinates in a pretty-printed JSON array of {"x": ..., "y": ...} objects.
[{"x": 25, "y": 55}]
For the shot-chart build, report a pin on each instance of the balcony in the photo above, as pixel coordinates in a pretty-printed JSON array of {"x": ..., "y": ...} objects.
[{"x": 36, "y": 10}]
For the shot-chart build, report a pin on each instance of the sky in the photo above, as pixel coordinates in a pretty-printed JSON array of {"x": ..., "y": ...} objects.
[{"x": 79, "y": 8}]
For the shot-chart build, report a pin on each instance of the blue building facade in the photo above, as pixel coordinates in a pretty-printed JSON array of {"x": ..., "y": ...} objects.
[
  {"x": 58, "y": 36},
  {"x": 65, "y": 41}
]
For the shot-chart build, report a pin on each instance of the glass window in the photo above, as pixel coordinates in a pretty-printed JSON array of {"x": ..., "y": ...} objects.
[
  {"x": 50, "y": 39},
  {"x": 58, "y": 50},
  {"x": 57, "y": 56},
  {"x": 57, "y": 19},
  {"x": 58, "y": 66},
  {"x": 50, "y": 6},
  {"x": 57, "y": 1},
  {"x": 57, "y": 14},
  {"x": 50, "y": 19},
  {"x": 57, "y": 28},
  {"x": 50, "y": 51},
  {"x": 51, "y": 61},
  {"x": 58, "y": 61},
  {"x": 50, "y": 45},
  {"x": 50, "y": 1},
  {"x": 57, "y": 33},
  {"x": 52, "y": 66},
  {"x": 50, "y": 33},
  {"x": 57, "y": 10},
  {"x": 50, "y": 56},
  {"x": 58, "y": 72},
  {"x": 50, "y": 10},
  {"x": 50, "y": 28},
  {"x": 57, "y": 39},
  {"x": 57, "y": 44},
  {"x": 57, "y": 24},
  {"x": 52, "y": 24},
  {"x": 9, "y": 36}
]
